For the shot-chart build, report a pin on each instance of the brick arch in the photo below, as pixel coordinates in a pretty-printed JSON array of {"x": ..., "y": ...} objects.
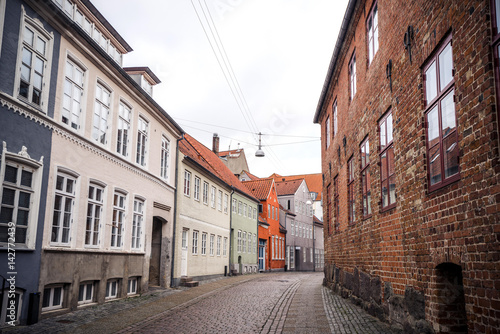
[{"x": 447, "y": 299}]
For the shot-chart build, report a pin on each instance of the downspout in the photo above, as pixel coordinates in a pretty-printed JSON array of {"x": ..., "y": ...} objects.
[{"x": 175, "y": 212}]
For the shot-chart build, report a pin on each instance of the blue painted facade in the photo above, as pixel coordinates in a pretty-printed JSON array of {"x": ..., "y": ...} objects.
[{"x": 24, "y": 124}]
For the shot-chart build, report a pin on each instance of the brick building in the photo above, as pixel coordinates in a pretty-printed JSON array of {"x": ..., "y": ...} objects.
[{"x": 409, "y": 125}]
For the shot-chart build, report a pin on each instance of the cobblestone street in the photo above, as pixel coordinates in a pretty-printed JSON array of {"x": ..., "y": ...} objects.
[{"x": 262, "y": 303}]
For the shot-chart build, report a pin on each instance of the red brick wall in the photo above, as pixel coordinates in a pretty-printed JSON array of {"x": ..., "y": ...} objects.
[{"x": 458, "y": 223}]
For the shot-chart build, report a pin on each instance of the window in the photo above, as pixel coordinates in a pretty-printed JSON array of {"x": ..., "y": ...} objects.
[
  {"x": 94, "y": 213},
  {"x": 196, "y": 194},
  {"x": 212, "y": 197},
  {"x": 219, "y": 200},
  {"x": 255, "y": 213},
  {"x": 63, "y": 208},
  {"x": 52, "y": 297},
  {"x": 273, "y": 248},
  {"x": 205, "y": 193},
  {"x": 226, "y": 203},
  {"x": 336, "y": 204},
  {"x": 111, "y": 289},
  {"x": 292, "y": 257},
  {"x": 101, "y": 114},
  {"x": 137, "y": 223},
  {"x": 234, "y": 205},
  {"x": 352, "y": 76},
  {"x": 249, "y": 212},
  {"x": 269, "y": 211},
  {"x": 212, "y": 241},
  {"x": 442, "y": 137},
  {"x": 33, "y": 62},
  {"x": 187, "y": 183},
  {"x": 387, "y": 176},
  {"x": 372, "y": 32},
  {"x": 292, "y": 228},
  {"x": 165, "y": 157},
  {"x": 240, "y": 207},
  {"x": 244, "y": 209},
  {"x": 327, "y": 132},
  {"x": 142, "y": 139},
  {"x": 119, "y": 200},
  {"x": 203, "y": 244},
  {"x": 12, "y": 299},
  {"x": 19, "y": 198},
  {"x": 244, "y": 242},
  {"x": 86, "y": 293},
  {"x": 366, "y": 178},
  {"x": 254, "y": 243},
  {"x": 185, "y": 239},
  {"x": 219, "y": 241},
  {"x": 335, "y": 121},
  {"x": 132, "y": 286},
  {"x": 239, "y": 241},
  {"x": 195, "y": 242},
  {"x": 224, "y": 250},
  {"x": 73, "y": 92},
  {"x": 124, "y": 112}
]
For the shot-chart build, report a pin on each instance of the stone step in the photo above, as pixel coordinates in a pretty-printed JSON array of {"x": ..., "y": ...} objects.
[
  {"x": 186, "y": 279},
  {"x": 191, "y": 284}
]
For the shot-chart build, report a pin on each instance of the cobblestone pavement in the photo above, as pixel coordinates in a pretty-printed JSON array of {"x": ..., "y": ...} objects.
[{"x": 263, "y": 303}]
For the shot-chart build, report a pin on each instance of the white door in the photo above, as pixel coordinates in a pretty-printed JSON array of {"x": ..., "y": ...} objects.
[{"x": 184, "y": 252}]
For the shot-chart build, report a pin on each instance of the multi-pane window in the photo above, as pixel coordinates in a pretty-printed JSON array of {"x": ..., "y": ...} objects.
[
  {"x": 292, "y": 231},
  {"x": 219, "y": 200},
  {"x": 336, "y": 203},
  {"x": 273, "y": 245},
  {"x": 442, "y": 137},
  {"x": 111, "y": 289},
  {"x": 52, "y": 298},
  {"x": 10, "y": 299},
  {"x": 219, "y": 241},
  {"x": 372, "y": 32},
  {"x": 224, "y": 249},
  {"x": 165, "y": 158},
  {"x": 335, "y": 121},
  {"x": 327, "y": 132},
  {"x": 203, "y": 244},
  {"x": 239, "y": 241},
  {"x": 240, "y": 207},
  {"x": 124, "y": 113},
  {"x": 254, "y": 213},
  {"x": 244, "y": 242},
  {"x": 195, "y": 243},
  {"x": 86, "y": 293},
  {"x": 212, "y": 241},
  {"x": 254, "y": 243},
  {"x": 73, "y": 92},
  {"x": 387, "y": 177},
  {"x": 33, "y": 64},
  {"x": 352, "y": 76},
  {"x": 366, "y": 178},
  {"x": 234, "y": 205},
  {"x": 184, "y": 243},
  {"x": 117, "y": 227},
  {"x": 249, "y": 212},
  {"x": 212, "y": 197},
  {"x": 187, "y": 183},
  {"x": 132, "y": 286},
  {"x": 101, "y": 114},
  {"x": 142, "y": 139},
  {"x": 205, "y": 193},
  {"x": 63, "y": 208},
  {"x": 137, "y": 223},
  {"x": 17, "y": 198},
  {"x": 196, "y": 193},
  {"x": 269, "y": 211},
  {"x": 244, "y": 209},
  {"x": 249, "y": 242},
  {"x": 94, "y": 213},
  {"x": 226, "y": 203}
]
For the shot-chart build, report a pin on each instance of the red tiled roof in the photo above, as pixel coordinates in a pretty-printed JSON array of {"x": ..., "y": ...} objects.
[
  {"x": 260, "y": 188},
  {"x": 314, "y": 181},
  {"x": 225, "y": 153},
  {"x": 288, "y": 187},
  {"x": 317, "y": 221},
  {"x": 250, "y": 175},
  {"x": 212, "y": 163}
]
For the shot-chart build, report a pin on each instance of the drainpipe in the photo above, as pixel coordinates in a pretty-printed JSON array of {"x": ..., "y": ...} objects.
[{"x": 175, "y": 212}]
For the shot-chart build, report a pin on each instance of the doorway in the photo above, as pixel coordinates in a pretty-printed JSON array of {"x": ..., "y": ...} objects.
[
  {"x": 262, "y": 255},
  {"x": 154, "y": 262}
]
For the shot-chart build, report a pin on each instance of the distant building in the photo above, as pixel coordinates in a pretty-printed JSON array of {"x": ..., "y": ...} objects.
[
  {"x": 235, "y": 160},
  {"x": 409, "y": 119}
]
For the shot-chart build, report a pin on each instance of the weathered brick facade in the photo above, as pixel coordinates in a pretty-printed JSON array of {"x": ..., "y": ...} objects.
[{"x": 431, "y": 263}]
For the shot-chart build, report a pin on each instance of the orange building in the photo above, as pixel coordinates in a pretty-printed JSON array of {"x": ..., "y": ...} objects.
[{"x": 271, "y": 233}]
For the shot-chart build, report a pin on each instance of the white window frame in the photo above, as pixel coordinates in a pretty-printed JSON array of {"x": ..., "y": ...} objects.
[
  {"x": 212, "y": 197},
  {"x": 72, "y": 118},
  {"x": 234, "y": 205},
  {"x": 119, "y": 211},
  {"x": 132, "y": 284},
  {"x": 196, "y": 193},
  {"x": 165, "y": 158},
  {"x": 123, "y": 130},
  {"x": 205, "y": 192},
  {"x": 352, "y": 76},
  {"x": 5, "y": 300},
  {"x": 195, "y": 243},
  {"x": 85, "y": 286},
  {"x": 101, "y": 115},
  {"x": 65, "y": 196},
  {"x": 226, "y": 203},
  {"x": 244, "y": 242},
  {"x": 212, "y": 244},
  {"x": 109, "y": 289},
  {"x": 39, "y": 32},
  {"x": 2, "y": 19},
  {"x": 95, "y": 205},
  {"x": 219, "y": 200},
  {"x": 138, "y": 223},
  {"x": 22, "y": 162},
  {"x": 204, "y": 243},
  {"x": 51, "y": 305},
  {"x": 239, "y": 241},
  {"x": 219, "y": 241},
  {"x": 224, "y": 249},
  {"x": 187, "y": 183},
  {"x": 142, "y": 141}
]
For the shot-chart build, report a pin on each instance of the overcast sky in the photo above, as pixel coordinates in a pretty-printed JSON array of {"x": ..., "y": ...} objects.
[{"x": 279, "y": 52}]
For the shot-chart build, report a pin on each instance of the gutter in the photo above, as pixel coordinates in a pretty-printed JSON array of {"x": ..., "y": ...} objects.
[
  {"x": 175, "y": 212},
  {"x": 333, "y": 62}
]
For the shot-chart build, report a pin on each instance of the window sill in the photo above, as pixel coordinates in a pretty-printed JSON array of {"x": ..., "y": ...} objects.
[
  {"x": 388, "y": 208},
  {"x": 18, "y": 248},
  {"x": 85, "y": 305},
  {"x": 367, "y": 216},
  {"x": 451, "y": 180}
]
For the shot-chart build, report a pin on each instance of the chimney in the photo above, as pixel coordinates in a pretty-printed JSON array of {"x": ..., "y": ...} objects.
[{"x": 215, "y": 143}]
